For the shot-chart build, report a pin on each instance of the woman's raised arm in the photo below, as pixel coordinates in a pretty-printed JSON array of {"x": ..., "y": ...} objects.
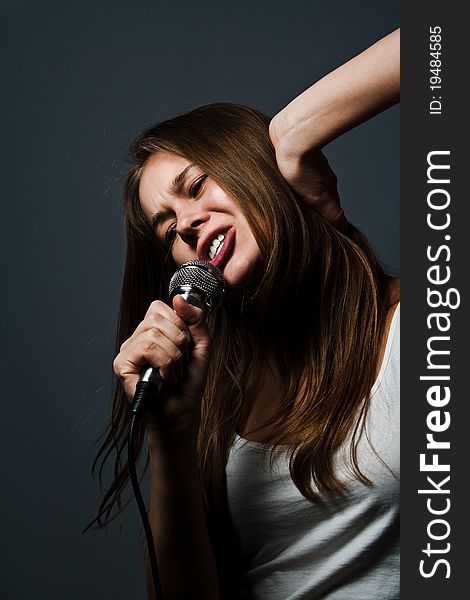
[{"x": 351, "y": 94}]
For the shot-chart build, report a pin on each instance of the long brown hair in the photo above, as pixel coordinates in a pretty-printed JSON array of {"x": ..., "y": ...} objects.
[{"x": 327, "y": 359}]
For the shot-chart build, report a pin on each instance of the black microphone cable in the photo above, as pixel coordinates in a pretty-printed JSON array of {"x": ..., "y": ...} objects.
[
  {"x": 145, "y": 391},
  {"x": 202, "y": 285}
]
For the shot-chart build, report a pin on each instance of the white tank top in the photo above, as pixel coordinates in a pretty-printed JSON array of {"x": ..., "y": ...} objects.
[{"x": 345, "y": 549}]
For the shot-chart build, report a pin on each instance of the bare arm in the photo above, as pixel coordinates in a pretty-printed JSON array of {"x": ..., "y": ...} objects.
[
  {"x": 351, "y": 94},
  {"x": 185, "y": 556},
  {"x": 184, "y": 552}
]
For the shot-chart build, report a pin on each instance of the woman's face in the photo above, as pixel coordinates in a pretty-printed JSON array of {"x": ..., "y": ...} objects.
[{"x": 194, "y": 217}]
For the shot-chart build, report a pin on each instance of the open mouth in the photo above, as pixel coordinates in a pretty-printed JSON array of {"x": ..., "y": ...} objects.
[
  {"x": 220, "y": 247},
  {"x": 216, "y": 246}
]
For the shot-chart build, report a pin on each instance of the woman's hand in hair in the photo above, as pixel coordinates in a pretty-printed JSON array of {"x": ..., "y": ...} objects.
[
  {"x": 177, "y": 343},
  {"x": 314, "y": 181}
]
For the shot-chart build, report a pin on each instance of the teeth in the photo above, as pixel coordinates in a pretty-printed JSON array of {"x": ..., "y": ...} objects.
[{"x": 216, "y": 245}]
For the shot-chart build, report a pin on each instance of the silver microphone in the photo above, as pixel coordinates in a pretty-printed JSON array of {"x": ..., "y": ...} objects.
[{"x": 200, "y": 283}]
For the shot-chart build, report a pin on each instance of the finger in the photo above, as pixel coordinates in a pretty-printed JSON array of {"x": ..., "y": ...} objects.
[
  {"x": 191, "y": 315},
  {"x": 195, "y": 319},
  {"x": 160, "y": 316},
  {"x": 157, "y": 306},
  {"x": 158, "y": 310},
  {"x": 150, "y": 348},
  {"x": 335, "y": 215}
]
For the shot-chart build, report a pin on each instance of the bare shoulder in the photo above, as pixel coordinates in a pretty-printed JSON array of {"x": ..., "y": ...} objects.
[
  {"x": 393, "y": 293},
  {"x": 392, "y": 300}
]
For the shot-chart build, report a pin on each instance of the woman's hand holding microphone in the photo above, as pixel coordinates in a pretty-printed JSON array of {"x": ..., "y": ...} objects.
[{"x": 173, "y": 341}]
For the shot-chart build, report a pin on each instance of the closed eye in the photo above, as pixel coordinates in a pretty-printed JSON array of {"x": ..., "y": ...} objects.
[
  {"x": 197, "y": 186},
  {"x": 170, "y": 233}
]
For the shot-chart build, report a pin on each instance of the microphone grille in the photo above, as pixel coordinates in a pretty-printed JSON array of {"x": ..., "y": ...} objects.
[{"x": 201, "y": 277}]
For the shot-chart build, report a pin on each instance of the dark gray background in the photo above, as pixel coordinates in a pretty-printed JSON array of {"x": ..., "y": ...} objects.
[{"x": 80, "y": 80}]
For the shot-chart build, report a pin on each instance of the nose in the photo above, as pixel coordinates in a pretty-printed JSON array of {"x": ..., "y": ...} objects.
[{"x": 190, "y": 220}]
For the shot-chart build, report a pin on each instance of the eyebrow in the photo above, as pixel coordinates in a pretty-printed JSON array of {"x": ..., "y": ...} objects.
[
  {"x": 158, "y": 217},
  {"x": 174, "y": 188},
  {"x": 178, "y": 181}
]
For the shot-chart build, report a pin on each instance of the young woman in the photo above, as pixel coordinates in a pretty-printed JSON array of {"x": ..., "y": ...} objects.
[{"x": 273, "y": 448}]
